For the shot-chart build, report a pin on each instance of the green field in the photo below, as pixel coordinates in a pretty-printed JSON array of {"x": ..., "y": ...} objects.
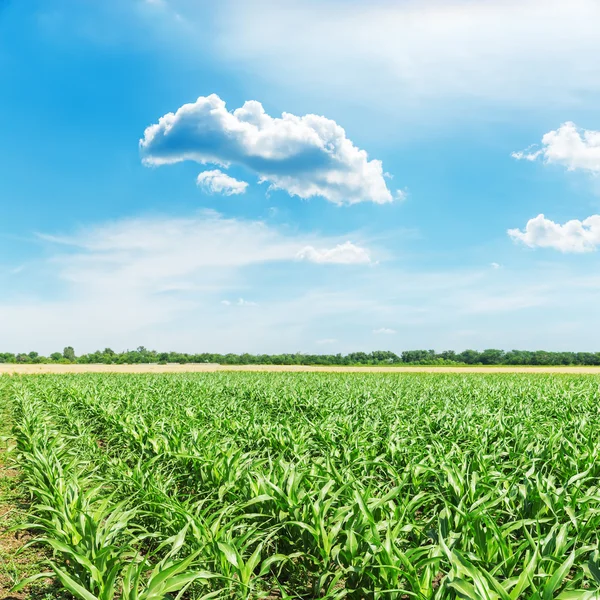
[{"x": 271, "y": 485}]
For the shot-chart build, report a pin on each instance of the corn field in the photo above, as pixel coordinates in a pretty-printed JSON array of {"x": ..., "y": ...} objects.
[{"x": 247, "y": 486}]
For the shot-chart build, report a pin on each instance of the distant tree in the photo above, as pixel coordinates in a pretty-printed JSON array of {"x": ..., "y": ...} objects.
[
  {"x": 69, "y": 353},
  {"x": 470, "y": 357},
  {"x": 423, "y": 357},
  {"x": 415, "y": 356},
  {"x": 491, "y": 357},
  {"x": 381, "y": 356},
  {"x": 360, "y": 358}
]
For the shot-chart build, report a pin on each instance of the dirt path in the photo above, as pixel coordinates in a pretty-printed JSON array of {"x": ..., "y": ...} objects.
[{"x": 208, "y": 368}]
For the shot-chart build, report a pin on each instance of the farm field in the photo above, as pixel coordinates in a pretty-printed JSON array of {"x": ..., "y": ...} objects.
[{"x": 242, "y": 485}]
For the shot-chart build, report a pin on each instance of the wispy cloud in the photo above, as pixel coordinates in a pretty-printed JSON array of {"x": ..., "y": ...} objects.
[
  {"x": 160, "y": 281},
  {"x": 343, "y": 254},
  {"x": 138, "y": 276},
  {"x": 384, "y": 331},
  {"x": 529, "y": 154},
  {"x": 238, "y": 302},
  {"x": 389, "y": 53}
]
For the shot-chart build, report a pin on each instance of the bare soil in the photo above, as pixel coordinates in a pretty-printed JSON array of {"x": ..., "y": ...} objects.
[{"x": 209, "y": 368}]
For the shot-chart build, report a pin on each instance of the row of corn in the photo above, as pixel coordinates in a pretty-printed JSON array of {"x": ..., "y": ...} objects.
[{"x": 314, "y": 486}]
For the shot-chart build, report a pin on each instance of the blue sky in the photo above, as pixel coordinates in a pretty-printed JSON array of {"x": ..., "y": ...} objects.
[{"x": 386, "y": 195}]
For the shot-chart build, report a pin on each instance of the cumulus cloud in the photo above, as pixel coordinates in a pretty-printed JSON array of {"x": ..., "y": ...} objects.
[
  {"x": 573, "y": 236},
  {"x": 342, "y": 254},
  {"x": 217, "y": 182},
  {"x": 569, "y": 146},
  {"x": 305, "y": 156},
  {"x": 384, "y": 331}
]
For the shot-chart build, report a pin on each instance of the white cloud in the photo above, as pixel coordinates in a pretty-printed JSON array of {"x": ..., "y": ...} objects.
[
  {"x": 569, "y": 146},
  {"x": 238, "y": 302},
  {"x": 573, "y": 236},
  {"x": 384, "y": 331},
  {"x": 495, "y": 265},
  {"x": 165, "y": 248},
  {"x": 527, "y": 154},
  {"x": 343, "y": 254},
  {"x": 505, "y": 301},
  {"x": 165, "y": 282},
  {"x": 217, "y": 182},
  {"x": 401, "y": 195},
  {"x": 156, "y": 256},
  {"x": 327, "y": 342},
  {"x": 392, "y": 53},
  {"x": 159, "y": 281},
  {"x": 306, "y": 156}
]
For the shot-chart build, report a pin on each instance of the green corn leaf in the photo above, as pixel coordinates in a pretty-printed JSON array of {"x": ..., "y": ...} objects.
[
  {"x": 558, "y": 577},
  {"x": 526, "y": 578},
  {"x": 73, "y": 586}
]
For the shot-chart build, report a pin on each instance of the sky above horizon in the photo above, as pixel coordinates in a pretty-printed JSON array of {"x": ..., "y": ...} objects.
[{"x": 299, "y": 176}]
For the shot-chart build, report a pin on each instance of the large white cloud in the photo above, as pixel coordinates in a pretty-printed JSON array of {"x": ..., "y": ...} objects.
[
  {"x": 343, "y": 254},
  {"x": 573, "y": 236},
  {"x": 217, "y": 182},
  {"x": 306, "y": 156},
  {"x": 569, "y": 146}
]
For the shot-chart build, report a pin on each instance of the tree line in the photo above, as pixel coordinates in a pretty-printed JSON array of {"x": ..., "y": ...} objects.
[{"x": 378, "y": 357}]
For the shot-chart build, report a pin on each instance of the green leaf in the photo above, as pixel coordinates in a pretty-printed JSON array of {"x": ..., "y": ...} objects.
[
  {"x": 464, "y": 589},
  {"x": 557, "y": 578},
  {"x": 29, "y": 580},
  {"x": 526, "y": 577},
  {"x": 230, "y": 553},
  {"x": 594, "y": 569},
  {"x": 73, "y": 586}
]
